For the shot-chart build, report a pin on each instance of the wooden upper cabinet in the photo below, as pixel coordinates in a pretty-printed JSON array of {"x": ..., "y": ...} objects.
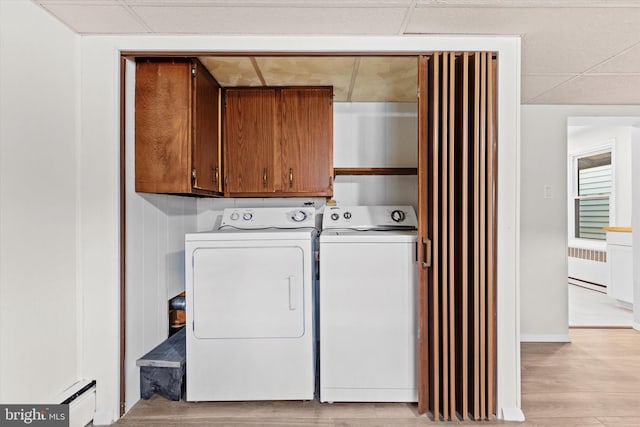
[
  {"x": 177, "y": 114},
  {"x": 307, "y": 140},
  {"x": 250, "y": 126},
  {"x": 206, "y": 131},
  {"x": 278, "y": 141}
]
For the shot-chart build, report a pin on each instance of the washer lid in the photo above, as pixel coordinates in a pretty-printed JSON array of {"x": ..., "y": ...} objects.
[{"x": 369, "y": 236}]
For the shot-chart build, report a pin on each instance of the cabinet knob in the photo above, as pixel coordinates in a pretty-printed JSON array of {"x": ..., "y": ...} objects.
[
  {"x": 264, "y": 177},
  {"x": 290, "y": 177},
  {"x": 194, "y": 176},
  {"x": 216, "y": 175}
]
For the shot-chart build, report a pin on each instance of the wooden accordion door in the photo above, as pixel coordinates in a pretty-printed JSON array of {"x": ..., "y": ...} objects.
[{"x": 457, "y": 222}]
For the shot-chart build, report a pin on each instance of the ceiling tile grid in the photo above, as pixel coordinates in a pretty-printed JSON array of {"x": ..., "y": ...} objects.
[
  {"x": 271, "y": 20},
  {"x": 568, "y": 46}
]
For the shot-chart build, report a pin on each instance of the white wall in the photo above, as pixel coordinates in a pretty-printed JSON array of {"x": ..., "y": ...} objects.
[
  {"x": 375, "y": 135},
  {"x": 543, "y": 244},
  {"x": 40, "y": 292},
  {"x": 635, "y": 223},
  {"x": 99, "y": 183}
]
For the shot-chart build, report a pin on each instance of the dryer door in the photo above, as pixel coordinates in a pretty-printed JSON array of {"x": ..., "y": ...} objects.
[{"x": 248, "y": 292}]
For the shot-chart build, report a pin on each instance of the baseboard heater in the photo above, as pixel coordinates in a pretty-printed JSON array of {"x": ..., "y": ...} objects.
[{"x": 81, "y": 398}]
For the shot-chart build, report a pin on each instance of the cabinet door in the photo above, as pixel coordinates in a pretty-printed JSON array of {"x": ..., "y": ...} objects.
[
  {"x": 307, "y": 140},
  {"x": 163, "y": 127},
  {"x": 206, "y": 134},
  {"x": 250, "y": 121}
]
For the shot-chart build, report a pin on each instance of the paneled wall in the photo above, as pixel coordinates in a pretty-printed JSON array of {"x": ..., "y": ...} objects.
[{"x": 156, "y": 225}]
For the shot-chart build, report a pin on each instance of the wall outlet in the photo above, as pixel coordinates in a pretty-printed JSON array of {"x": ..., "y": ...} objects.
[{"x": 548, "y": 191}]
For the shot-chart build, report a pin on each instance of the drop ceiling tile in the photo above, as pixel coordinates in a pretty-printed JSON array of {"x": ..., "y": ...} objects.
[
  {"x": 309, "y": 71},
  {"x": 555, "y": 40},
  {"x": 533, "y": 85},
  {"x": 271, "y": 20},
  {"x": 392, "y": 79},
  {"x": 626, "y": 62},
  {"x": 274, "y": 3},
  {"x": 232, "y": 70},
  {"x": 96, "y": 18},
  {"x": 469, "y": 20},
  {"x": 531, "y": 3},
  {"x": 79, "y": 2},
  {"x": 595, "y": 90}
]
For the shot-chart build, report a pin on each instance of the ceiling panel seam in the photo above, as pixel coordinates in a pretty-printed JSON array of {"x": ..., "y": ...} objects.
[
  {"x": 354, "y": 76},
  {"x": 135, "y": 16},
  {"x": 256, "y": 67},
  {"x": 585, "y": 72},
  {"x": 611, "y": 58},
  {"x": 407, "y": 17}
]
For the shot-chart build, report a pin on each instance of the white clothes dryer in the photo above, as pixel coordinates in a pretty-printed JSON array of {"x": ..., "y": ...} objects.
[
  {"x": 250, "y": 320},
  {"x": 368, "y": 299}
]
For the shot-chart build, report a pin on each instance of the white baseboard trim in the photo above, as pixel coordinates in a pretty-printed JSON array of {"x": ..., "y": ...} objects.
[
  {"x": 636, "y": 326},
  {"x": 512, "y": 414},
  {"x": 544, "y": 338},
  {"x": 104, "y": 418}
]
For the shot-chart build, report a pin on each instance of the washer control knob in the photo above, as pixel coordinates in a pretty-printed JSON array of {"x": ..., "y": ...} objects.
[
  {"x": 335, "y": 216},
  {"x": 235, "y": 216},
  {"x": 347, "y": 215},
  {"x": 299, "y": 216},
  {"x": 247, "y": 216},
  {"x": 398, "y": 215}
]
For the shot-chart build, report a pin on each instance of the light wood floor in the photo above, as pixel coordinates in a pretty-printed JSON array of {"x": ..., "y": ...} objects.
[{"x": 593, "y": 381}]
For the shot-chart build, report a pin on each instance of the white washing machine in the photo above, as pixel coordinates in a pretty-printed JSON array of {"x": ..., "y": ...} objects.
[
  {"x": 250, "y": 320},
  {"x": 368, "y": 299}
]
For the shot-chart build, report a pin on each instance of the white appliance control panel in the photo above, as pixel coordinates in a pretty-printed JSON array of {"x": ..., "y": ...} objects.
[
  {"x": 369, "y": 218},
  {"x": 259, "y": 218}
]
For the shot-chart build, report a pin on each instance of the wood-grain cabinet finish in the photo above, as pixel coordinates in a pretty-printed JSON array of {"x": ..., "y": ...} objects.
[
  {"x": 279, "y": 141},
  {"x": 177, "y": 122}
]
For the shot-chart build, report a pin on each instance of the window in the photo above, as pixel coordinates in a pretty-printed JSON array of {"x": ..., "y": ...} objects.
[{"x": 593, "y": 191}]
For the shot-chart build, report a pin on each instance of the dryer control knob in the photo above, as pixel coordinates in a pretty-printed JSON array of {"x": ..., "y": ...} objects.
[
  {"x": 398, "y": 215},
  {"x": 247, "y": 216},
  {"x": 235, "y": 216},
  {"x": 299, "y": 216},
  {"x": 347, "y": 215},
  {"x": 335, "y": 216}
]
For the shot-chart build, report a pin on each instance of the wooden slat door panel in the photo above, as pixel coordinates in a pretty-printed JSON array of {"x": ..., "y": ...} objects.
[
  {"x": 250, "y": 139},
  {"x": 457, "y": 204},
  {"x": 492, "y": 226},
  {"x": 424, "y": 229}
]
